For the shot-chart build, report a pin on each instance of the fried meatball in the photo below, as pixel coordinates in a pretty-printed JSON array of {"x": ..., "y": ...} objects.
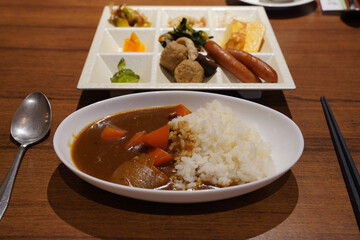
[
  {"x": 173, "y": 54},
  {"x": 189, "y": 44},
  {"x": 189, "y": 71}
]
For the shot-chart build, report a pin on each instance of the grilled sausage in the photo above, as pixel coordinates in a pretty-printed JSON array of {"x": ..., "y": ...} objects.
[
  {"x": 230, "y": 63},
  {"x": 256, "y": 65}
]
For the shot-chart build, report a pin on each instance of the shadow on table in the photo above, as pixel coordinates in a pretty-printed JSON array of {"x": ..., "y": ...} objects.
[
  {"x": 272, "y": 99},
  {"x": 282, "y": 12},
  {"x": 351, "y": 18},
  {"x": 105, "y": 215}
]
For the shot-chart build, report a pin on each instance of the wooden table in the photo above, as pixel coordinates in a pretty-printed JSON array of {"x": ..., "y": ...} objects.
[{"x": 43, "y": 47}]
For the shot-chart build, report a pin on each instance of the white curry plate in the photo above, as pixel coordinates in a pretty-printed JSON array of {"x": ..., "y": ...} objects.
[
  {"x": 281, "y": 132},
  {"x": 277, "y": 4}
]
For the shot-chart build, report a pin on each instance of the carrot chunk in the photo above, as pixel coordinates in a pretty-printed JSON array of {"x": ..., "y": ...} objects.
[
  {"x": 160, "y": 157},
  {"x": 136, "y": 139},
  {"x": 181, "y": 110},
  {"x": 159, "y": 137},
  {"x": 112, "y": 132}
]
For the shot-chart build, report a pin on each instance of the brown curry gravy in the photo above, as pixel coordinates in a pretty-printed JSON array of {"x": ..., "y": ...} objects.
[{"x": 101, "y": 158}]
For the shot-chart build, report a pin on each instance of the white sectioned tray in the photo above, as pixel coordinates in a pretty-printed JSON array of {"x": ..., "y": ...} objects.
[{"x": 106, "y": 51}]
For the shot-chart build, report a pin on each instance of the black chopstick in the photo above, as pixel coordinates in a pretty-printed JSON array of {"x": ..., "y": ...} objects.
[{"x": 347, "y": 165}]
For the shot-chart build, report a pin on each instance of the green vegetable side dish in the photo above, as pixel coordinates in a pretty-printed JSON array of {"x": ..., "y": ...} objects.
[
  {"x": 184, "y": 30},
  {"x": 124, "y": 75}
]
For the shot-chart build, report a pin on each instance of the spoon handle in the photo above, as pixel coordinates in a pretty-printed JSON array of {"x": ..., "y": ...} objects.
[{"x": 8, "y": 183}]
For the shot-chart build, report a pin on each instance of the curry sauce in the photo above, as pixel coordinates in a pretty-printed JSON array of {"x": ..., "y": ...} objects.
[{"x": 100, "y": 158}]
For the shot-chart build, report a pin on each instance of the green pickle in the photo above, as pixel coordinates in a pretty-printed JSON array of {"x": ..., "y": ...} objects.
[{"x": 124, "y": 75}]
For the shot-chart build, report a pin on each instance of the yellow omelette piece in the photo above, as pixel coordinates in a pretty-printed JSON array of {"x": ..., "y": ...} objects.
[
  {"x": 243, "y": 36},
  {"x": 234, "y": 36},
  {"x": 255, "y": 32}
]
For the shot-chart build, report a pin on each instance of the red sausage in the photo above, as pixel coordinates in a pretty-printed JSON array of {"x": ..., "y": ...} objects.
[
  {"x": 230, "y": 63},
  {"x": 258, "y": 66}
]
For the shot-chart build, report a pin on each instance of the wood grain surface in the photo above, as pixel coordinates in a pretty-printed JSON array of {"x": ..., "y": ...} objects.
[{"x": 43, "y": 47}]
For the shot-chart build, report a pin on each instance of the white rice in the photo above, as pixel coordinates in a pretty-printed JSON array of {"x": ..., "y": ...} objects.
[{"x": 211, "y": 146}]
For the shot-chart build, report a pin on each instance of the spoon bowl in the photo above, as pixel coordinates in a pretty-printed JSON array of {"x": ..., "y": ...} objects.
[
  {"x": 31, "y": 121},
  {"x": 30, "y": 124}
]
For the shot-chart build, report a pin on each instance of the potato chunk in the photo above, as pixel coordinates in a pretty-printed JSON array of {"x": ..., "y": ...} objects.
[{"x": 136, "y": 174}]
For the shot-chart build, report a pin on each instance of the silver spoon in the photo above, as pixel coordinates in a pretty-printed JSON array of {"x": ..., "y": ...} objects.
[
  {"x": 30, "y": 124},
  {"x": 351, "y": 16}
]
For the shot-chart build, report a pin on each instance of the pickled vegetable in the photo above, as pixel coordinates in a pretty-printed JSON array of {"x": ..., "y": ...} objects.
[
  {"x": 124, "y": 75},
  {"x": 124, "y": 16},
  {"x": 133, "y": 44}
]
